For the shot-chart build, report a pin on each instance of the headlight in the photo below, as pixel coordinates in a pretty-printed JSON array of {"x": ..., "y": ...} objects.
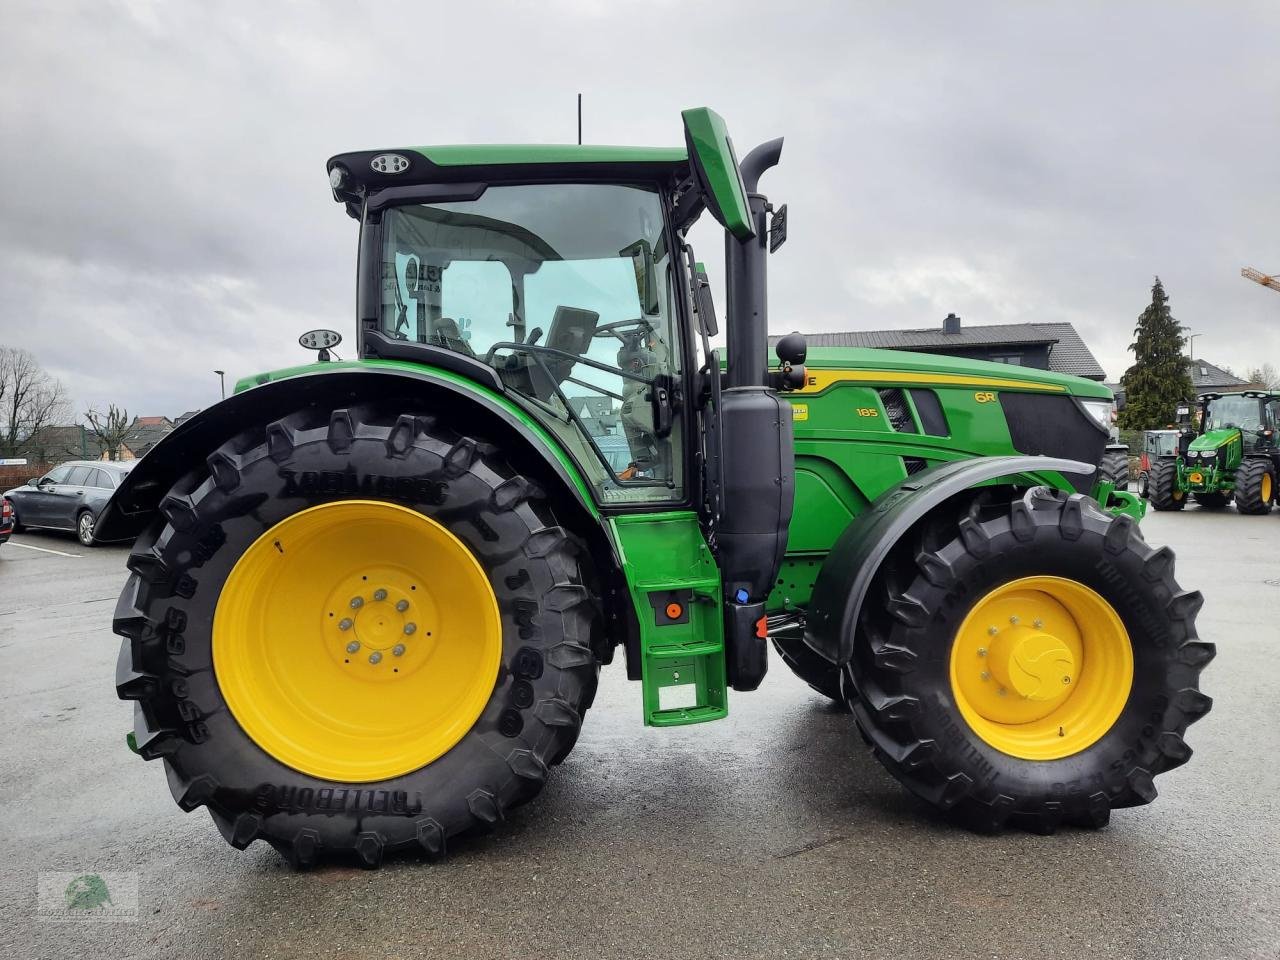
[{"x": 1100, "y": 410}]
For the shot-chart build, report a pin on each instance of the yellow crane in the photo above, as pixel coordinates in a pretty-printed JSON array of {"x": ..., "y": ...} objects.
[{"x": 1257, "y": 276}]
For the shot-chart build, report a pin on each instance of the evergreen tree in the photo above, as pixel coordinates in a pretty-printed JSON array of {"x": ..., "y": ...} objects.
[{"x": 1158, "y": 378}]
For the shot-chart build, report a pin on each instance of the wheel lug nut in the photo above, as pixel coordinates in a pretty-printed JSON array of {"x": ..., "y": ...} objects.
[
  {"x": 409, "y": 629},
  {"x": 344, "y": 623},
  {"x": 375, "y": 657},
  {"x": 398, "y": 649},
  {"x": 402, "y": 605},
  {"x": 379, "y": 594},
  {"x": 357, "y": 603},
  {"x": 353, "y": 646},
  {"x": 1013, "y": 619},
  {"x": 985, "y": 675},
  {"x": 1038, "y": 624},
  {"x": 1002, "y": 691},
  {"x": 992, "y": 631},
  {"x": 982, "y": 651}
]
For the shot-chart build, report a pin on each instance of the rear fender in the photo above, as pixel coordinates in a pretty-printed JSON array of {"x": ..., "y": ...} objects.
[
  {"x": 135, "y": 504},
  {"x": 851, "y": 566}
]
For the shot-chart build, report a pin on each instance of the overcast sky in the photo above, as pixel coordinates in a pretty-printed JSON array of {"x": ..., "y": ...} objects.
[{"x": 164, "y": 208}]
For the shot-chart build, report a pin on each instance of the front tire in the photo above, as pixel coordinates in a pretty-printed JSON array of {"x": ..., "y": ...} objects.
[
  {"x": 1165, "y": 493},
  {"x": 194, "y": 657},
  {"x": 1255, "y": 486},
  {"x": 925, "y": 673},
  {"x": 1115, "y": 468},
  {"x": 1144, "y": 486}
]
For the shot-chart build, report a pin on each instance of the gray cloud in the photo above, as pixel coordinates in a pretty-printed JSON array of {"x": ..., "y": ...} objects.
[{"x": 164, "y": 210}]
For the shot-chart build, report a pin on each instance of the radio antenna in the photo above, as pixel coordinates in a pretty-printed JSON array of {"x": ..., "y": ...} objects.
[{"x": 579, "y": 119}]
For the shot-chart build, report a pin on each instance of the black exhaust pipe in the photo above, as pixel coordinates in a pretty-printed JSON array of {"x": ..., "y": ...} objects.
[{"x": 757, "y": 460}]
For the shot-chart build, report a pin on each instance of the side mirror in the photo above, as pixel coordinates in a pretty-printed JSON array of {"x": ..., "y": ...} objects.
[
  {"x": 702, "y": 302},
  {"x": 33, "y": 482},
  {"x": 715, "y": 170}
]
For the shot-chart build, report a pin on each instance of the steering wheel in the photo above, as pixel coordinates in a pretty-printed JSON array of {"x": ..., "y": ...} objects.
[{"x": 614, "y": 329}]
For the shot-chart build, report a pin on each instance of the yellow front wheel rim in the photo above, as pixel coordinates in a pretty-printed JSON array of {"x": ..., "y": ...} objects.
[
  {"x": 357, "y": 641},
  {"x": 1041, "y": 668},
  {"x": 1266, "y": 488}
]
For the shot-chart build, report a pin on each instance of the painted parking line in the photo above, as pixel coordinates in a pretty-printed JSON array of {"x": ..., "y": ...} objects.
[{"x": 27, "y": 546}]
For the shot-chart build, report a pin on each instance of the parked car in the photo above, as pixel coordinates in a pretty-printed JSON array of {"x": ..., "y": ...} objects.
[
  {"x": 68, "y": 497},
  {"x": 6, "y": 520}
]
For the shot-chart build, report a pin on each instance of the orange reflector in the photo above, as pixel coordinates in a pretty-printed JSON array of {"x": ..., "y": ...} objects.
[
  {"x": 762, "y": 628},
  {"x": 674, "y": 611}
]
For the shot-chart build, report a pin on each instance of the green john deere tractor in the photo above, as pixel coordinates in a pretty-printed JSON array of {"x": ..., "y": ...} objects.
[
  {"x": 370, "y": 597},
  {"x": 1228, "y": 451}
]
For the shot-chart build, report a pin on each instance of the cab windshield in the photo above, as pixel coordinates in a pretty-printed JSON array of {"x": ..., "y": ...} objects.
[
  {"x": 565, "y": 290},
  {"x": 1241, "y": 413}
]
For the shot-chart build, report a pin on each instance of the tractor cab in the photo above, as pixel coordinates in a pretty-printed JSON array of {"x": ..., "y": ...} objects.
[{"x": 1227, "y": 451}]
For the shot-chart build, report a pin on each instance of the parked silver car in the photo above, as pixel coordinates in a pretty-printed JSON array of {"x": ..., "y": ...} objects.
[{"x": 68, "y": 497}]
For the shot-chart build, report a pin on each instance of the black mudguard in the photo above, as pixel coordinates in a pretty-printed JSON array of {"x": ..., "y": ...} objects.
[
  {"x": 849, "y": 568},
  {"x": 135, "y": 502}
]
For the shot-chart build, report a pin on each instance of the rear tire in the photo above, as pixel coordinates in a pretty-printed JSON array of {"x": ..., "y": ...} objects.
[
  {"x": 17, "y": 521},
  {"x": 818, "y": 672},
  {"x": 1165, "y": 494},
  {"x": 901, "y": 674},
  {"x": 548, "y": 619},
  {"x": 1255, "y": 486},
  {"x": 85, "y": 522},
  {"x": 1115, "y": 468}
]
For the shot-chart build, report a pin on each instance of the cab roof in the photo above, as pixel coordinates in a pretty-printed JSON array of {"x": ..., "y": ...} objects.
[{"x": 364, "y": 170}]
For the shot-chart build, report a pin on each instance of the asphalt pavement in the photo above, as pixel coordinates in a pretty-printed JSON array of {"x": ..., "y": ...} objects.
[{"x": 771, "y": 834}]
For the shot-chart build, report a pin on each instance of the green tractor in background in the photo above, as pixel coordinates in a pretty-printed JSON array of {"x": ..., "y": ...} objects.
[
  {"x": 1228, "y": 452},
  {"x": 369, "y": 599}
]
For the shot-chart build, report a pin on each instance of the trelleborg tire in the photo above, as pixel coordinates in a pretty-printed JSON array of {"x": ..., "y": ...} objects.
[
  {"x": 929, "y": 662},
  {"x": 1115, "y": 468},
  {"x": 1165, "y": 494},
  {"x": 818, "y": 672},
  {"x": 342, "y": 763},
  {"x": 1255, "y": 486}
]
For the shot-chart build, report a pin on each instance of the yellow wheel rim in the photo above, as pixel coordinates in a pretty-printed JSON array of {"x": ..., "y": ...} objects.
[
  {"x": 1041, "y": 668},
  {"x": 1266, "y": 488},
  {"x": 357, "y": 641}
]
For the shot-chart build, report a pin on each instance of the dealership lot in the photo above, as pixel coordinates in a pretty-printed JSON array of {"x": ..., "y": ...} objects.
[{"x": 770, "y": 834}]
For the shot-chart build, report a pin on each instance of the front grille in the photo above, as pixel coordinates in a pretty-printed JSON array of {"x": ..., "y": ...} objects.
[{"x": 1053, "y": 426}]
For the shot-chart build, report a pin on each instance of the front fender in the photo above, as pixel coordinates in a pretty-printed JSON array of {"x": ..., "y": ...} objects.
[
  {"x": 847, "y": 572},
  {"x": 136, "y": 500}
]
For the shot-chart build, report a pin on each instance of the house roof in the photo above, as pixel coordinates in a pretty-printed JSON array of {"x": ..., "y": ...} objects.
[
  {"x": 57, "y": 442},
  {"x": 150, "y": 421},
  {"x": 1206, "y": 376},
  {"x": 1067, "y": 354}
]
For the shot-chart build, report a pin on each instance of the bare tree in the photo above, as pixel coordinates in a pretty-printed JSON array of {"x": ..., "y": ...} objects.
[
  {"x": 30, "y": 399},
  {"x": 1265, "y": 377},
  {"x": 110, "y": 428}
]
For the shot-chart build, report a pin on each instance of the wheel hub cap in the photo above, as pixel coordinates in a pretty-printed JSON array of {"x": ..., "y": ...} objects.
[
  {"x": 357, "y": 641},
  {"x": 1041, "y": 667}
]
